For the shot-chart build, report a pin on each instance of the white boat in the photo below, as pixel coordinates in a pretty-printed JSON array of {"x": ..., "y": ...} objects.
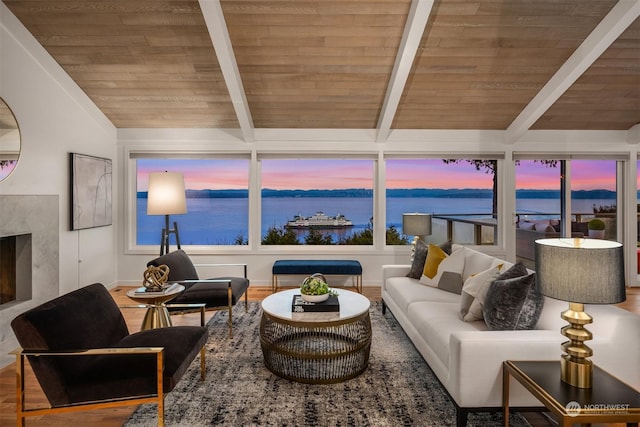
[{"x": 319, "y": 220}]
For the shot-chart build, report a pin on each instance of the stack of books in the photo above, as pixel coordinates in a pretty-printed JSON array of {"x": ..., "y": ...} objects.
[
  {"x": 165, "y": 290},
  {"x": 298, "y": 305}
]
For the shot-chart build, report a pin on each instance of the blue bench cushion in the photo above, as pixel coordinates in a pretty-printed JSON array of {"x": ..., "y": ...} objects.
[{"x": 344, "y": 267}]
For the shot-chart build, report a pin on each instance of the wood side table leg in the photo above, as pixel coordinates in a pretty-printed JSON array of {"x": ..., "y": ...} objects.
[{"x": 505, "y": 395}]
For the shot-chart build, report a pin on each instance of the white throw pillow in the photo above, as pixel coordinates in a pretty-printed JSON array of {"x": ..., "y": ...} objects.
[
  {"x": 474, "y": 292},
  {"x": 453, "y": 263}
]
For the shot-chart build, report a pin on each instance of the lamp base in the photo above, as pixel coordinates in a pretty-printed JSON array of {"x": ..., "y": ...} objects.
[
  {"x": 413, "y": 246},
  {"x": 578, "y": 374},
  {"x": 166, "y": 233},
  {"x": 575, "y": 368}
]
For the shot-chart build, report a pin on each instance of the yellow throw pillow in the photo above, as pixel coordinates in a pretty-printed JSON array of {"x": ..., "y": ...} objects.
[{"x": 435, "y": 255}]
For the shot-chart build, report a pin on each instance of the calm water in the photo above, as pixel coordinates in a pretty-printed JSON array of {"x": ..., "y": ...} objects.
[{"x": 221, "y": 221}]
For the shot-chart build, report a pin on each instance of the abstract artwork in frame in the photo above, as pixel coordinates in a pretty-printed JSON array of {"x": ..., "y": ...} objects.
[{"x": 91, "y": 191}]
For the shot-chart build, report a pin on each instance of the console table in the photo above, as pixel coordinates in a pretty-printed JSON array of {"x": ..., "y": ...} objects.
[{"x": 608, "y": 401}]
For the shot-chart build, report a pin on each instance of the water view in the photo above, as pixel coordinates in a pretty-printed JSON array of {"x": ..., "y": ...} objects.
[{"x": 222, "y": 221}]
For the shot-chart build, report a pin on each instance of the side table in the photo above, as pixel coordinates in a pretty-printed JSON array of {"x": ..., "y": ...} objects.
[
  {"x": 608, "y": 401},
  {"x": 157, "y": 315}
]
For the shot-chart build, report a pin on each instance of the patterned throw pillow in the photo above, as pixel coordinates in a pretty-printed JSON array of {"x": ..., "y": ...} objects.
[
  {"x": 513, "y": 304},
  {"x": 474, "y": 290},
  {"x": 439, "y": 263}
]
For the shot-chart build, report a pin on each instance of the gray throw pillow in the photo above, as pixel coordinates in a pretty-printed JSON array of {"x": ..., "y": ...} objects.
[
  {"x": 419, "y": 258},
  {"x": 513, "y": 304},
  {"x": 516, "y": 270}
]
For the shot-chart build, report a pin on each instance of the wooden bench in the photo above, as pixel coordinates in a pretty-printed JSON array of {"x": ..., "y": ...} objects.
[{"x": 326, "y": 267}]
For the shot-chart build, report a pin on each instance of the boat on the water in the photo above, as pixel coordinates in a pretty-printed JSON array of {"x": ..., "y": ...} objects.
[{"x": 319, "y": 220}]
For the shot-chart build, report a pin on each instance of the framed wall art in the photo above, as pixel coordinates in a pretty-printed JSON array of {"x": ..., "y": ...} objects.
[{"x": 91, "y": 180}]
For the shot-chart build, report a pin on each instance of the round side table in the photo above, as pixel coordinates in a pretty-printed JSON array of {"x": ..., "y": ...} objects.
[{"x": 157, "y": 315}]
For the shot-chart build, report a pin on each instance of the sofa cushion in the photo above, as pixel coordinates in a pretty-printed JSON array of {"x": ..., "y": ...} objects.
[
  {"x": 436, "y": 321},
  {"x": 474, "y": 291},
  {"x": 513, "y": 304},
  {"x": 419, "y": 257},
  {"x": 403, "y": 291},
  {"x": 453, "y": 263}
]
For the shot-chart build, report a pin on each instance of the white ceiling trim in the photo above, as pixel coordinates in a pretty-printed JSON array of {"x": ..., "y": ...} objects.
[
  {"x": 607, "y": 31},
  {"x": 214, "y": 18},
  {"x": 413, "y": 31}
]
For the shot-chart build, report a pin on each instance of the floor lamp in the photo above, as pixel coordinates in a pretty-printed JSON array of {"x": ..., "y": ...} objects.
[{"x": 166, "y": 197}]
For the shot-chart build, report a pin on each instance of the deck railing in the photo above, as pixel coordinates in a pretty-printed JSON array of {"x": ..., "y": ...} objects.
[{"x": 483, "y": 229}]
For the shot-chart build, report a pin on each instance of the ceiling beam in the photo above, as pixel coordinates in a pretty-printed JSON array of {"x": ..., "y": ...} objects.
[
  {"x": 413, "y": 31},
  {"x": 608, "y": 30},
  {"x": 217, "y": 26}
]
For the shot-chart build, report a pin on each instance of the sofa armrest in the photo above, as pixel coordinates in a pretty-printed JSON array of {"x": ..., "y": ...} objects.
[
  {"x": 477, "y": 356},
  {"x": 394, "y": 270}
]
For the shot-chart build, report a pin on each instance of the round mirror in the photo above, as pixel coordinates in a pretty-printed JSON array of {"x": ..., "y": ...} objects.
[{"x": 9, "y": 140}]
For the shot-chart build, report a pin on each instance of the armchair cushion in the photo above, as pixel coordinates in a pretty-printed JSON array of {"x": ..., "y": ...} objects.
[
  {"x": 212, "y": 294},
  {"x": 97, "y": 380}
]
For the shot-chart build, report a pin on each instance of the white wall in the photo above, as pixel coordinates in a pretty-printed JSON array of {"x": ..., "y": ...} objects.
[{"x": 55, "y": 118}]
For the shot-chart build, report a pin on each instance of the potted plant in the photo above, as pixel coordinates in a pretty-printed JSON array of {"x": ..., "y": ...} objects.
[
  {"x": 315, "y": 289},
  {"x": 596, "y": 228}
]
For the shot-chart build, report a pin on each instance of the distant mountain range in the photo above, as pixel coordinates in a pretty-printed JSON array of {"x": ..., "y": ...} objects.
[{"x": 465, "y": 193}]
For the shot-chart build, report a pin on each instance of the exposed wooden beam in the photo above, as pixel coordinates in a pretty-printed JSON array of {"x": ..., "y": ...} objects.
[
  {"x": 414, "y": 28},
  {"x": 608, "y": 30},
  {"x": 217, "y": 26}
]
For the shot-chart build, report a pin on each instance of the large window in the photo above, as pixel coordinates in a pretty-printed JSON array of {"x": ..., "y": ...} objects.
[
  {"x": 593, "y": 198},
  {"x": 460, "y": 194},
  {"x": 217, "y": 201},
  {"x": 317, "y": 202},
  {"x": 541, "y": 186}
]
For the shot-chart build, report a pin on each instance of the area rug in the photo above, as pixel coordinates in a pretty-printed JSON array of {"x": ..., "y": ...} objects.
[{"x": 397, "y": 389}]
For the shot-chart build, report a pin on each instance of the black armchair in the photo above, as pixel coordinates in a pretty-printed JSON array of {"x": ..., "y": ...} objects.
[
  {"x": 84, "y": 358},
  {"x": 219, "y": 292}
]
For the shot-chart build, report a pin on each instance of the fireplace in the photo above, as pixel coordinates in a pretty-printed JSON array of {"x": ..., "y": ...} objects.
[
  {"x": 15, "y": 268},
  {"x": 30, "y": 237}
]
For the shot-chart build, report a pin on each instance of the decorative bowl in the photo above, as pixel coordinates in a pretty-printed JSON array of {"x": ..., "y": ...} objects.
[{"x": 315, "y": 298}]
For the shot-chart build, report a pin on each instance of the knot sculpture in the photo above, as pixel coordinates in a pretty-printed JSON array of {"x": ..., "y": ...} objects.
[{"x": 155, "y": 277}]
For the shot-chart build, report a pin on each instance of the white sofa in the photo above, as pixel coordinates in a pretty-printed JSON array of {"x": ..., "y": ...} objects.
[{"x": 467, "y": 357}]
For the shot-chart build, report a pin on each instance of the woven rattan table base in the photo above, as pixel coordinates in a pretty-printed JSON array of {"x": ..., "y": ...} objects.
[{"x": 316, "y": 352}]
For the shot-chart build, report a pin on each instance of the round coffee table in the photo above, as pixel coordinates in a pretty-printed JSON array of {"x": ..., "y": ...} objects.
[{"x": 316, "y": 348}]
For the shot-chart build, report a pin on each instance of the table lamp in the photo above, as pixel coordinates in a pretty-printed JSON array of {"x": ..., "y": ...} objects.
[
  {"x": 580, "y": 271},
  {"x": 166, "y": 197},
  {"x": 417, "y": 225}
]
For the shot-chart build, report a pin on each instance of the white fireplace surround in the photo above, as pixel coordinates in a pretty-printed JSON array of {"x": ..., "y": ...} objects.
[{"x": 37, "y": 215}]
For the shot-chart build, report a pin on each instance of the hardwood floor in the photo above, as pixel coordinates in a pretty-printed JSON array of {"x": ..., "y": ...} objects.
[{"x": 117, "y": 416}]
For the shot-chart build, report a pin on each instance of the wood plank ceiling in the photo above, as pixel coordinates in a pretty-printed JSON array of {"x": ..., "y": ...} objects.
[{"x": 326, "y": 64}]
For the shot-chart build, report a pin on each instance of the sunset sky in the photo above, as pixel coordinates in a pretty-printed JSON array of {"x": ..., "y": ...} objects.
[{"x": 340, "y": 174}]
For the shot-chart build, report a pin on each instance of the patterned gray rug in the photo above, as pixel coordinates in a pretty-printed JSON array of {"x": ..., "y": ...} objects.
[{"x": 397, "y": 389}]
